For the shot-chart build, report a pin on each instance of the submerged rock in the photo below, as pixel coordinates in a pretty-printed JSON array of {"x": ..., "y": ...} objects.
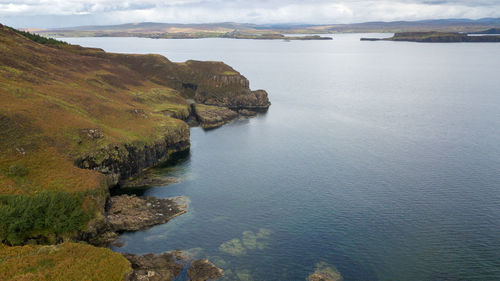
[
  {"x": 249, "y": 241},
  {"x": 202, "y": 270},
  {"x": 132, "y": 213},
  {"x": 233, "y": 247},
  {"x": 325, "y": 272}
]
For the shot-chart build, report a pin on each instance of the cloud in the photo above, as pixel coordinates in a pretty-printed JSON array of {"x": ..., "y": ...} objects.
[{"x": 51, "y": 13}]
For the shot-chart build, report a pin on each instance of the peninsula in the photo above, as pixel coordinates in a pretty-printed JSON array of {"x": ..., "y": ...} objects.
[
  {"x": 77, "y": 121},
  {"x": 437, "y": 37}
]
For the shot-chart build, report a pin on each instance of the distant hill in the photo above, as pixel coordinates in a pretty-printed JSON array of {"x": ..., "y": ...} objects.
[
  {"x": 488, "y": 31},
  {"x": 176, "y": 30}
]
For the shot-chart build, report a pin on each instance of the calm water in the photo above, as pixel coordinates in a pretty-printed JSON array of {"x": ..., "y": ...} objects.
[{"x": 381, "y": 159}]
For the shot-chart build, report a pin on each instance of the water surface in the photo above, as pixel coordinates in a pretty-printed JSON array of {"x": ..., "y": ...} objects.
[{"x": 379, "y": 158}]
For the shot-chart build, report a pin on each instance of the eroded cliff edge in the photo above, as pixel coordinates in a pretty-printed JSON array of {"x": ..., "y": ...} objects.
[{"x": 76, "y": 121}]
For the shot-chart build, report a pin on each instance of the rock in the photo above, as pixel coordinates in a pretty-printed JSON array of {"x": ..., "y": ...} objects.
[
  {"x": 132, "y": 213},
  {"x": 202, "y": 270},
  {"x": 151, "y": 267},
  {"x": 120, "y": 162},
  {"x": 93, "y": 134},
  {"x": 247, "y": 113},
  {"x": 213, "y": 116},
  {"x": 325, "y": 272},
  {"x": 139, "y": 113}
]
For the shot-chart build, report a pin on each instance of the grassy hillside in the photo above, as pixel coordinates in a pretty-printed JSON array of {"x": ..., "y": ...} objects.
[{"x": 74, "y": 120}]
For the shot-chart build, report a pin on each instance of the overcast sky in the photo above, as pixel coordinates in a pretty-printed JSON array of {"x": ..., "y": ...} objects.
[{"x": 60, "y": 13}]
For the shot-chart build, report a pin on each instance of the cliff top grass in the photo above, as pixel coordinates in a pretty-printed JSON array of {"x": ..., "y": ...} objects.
[
  {"x": 53, "y": 95},
  {"x": 61, "y": 102},
  {"x": 68, "y": 261}
]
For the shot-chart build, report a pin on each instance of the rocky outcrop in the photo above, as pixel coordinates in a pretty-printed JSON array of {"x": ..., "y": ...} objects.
[
  {"x": 242, "y": 99},
  {"x": 213, "y": 116},
  {"x": 132, "y": 213},
  {"x": 202, "y": 270},
  {"x": 247, "y": 113},
  {"x": 168, "y": 265},
  {"x": 151, "y": 267}
]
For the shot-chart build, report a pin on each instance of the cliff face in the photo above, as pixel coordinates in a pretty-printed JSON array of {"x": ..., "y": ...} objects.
[
  {"x": 120, "y": 162},
  {"x": 77, "y": 120}
]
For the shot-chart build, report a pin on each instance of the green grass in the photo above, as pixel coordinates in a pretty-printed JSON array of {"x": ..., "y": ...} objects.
[{"x": 52, "y": 213}]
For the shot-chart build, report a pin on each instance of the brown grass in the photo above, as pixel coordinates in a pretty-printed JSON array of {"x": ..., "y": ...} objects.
[{"x": 68, "y": 261}]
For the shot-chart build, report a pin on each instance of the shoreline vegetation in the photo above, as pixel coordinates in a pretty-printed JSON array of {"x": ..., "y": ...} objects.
[
  {"x": 440, "y": 37},
  {"x": 78, "y": 121}
]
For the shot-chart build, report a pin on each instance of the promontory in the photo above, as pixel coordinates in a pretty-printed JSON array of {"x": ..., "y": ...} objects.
[{"x": 76, "y": 121}]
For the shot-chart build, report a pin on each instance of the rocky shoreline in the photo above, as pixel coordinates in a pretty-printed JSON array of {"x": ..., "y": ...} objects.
[
  {"x": 168, "y": 265},
  {"x": 133, "y": 213}
]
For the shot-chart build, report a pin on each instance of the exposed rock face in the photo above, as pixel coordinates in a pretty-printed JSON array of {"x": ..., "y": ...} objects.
[
  {"x": 242, "y": 99},
  {"x": 124, "y": 161},
  {"x": 213, "y": 116},
  {"x": 202, "y": 270},
  {"x": 150, "y": 267},
  {"x": 132, "y": 213}
]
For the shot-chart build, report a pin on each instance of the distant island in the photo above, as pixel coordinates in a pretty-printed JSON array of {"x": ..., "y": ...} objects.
[
  {"x": 231, "y": 35},
  {"x": 267, "y": 31},
  {"x": 436, "y": 37}
]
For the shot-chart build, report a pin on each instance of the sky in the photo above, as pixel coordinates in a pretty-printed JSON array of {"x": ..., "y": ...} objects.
[{"x": 65, "y": 13}]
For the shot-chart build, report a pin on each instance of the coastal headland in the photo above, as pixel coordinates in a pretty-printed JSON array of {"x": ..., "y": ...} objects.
[{"x": 78, "y": 121}]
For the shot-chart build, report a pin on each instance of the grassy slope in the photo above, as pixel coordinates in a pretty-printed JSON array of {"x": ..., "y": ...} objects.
[
  {"x": 68, "y": 261},
  {"x": 52, "y": 95}
]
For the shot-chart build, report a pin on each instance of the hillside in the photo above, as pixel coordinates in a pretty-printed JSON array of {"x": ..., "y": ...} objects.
[{"x": 76, "y": 121}]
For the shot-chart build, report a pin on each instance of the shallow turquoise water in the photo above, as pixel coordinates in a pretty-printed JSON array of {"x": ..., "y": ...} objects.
[{"x": 379, "y": 158}]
